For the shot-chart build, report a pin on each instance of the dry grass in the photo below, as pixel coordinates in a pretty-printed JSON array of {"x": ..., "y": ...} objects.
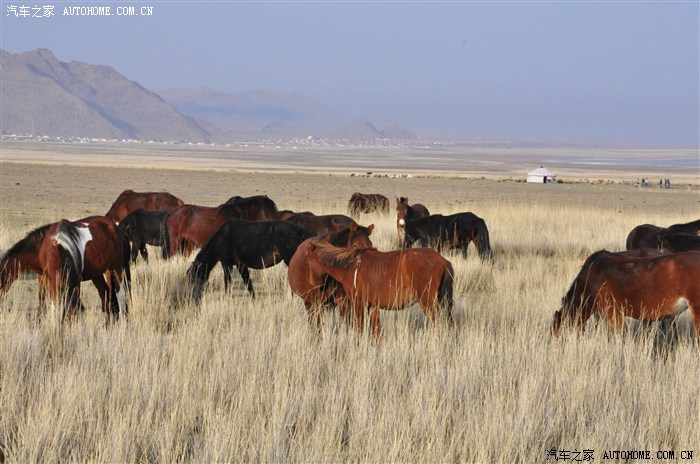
[{"x": 247, "y": 380}]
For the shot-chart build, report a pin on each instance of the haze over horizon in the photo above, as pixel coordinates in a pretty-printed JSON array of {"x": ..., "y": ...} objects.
[{"x": 622, "y": 73}]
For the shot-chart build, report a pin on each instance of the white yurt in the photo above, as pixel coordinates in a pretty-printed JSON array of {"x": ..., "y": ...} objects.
[{"x": 541, "y": 175}]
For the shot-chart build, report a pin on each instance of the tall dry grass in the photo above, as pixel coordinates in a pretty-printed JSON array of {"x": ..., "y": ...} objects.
[{"x": 237, "y": 379}]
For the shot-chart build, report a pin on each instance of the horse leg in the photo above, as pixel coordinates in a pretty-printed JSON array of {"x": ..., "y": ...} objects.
[
  {"x": 227, "y": 267},
  {"x": 134, "y": 252},
  {"x": 245, "y": 275},
  {"x": 313, "y": 314},
  {"x": 375, "y": 325},
  {"x": 358, "y": 313},
  {"x": 118, "y": 303},
  {"x": 103, "y": 289},
  {"x": 43, "y": 289}
]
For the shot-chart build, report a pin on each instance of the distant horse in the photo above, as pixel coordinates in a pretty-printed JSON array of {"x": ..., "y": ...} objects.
[
  {"x": 314, "y": 286},
  {"x": 129, "y": 201},
  {"x": 637, "y": 284},
  {"x": 323, "y": 224},
  {"x": 65, "y": 253},
  {"x": 643, "y": 236},
  {"x": 453, "y": 231},
  {"x": 367, "y": 203},
  {"x": 692, "y": 227},
  {"x": 649, "y": 235},
  {"x": 287, "y": 213},
  {"x": 245, "y": 244},
  {"x": 256, "y": 208},
  {"x": 392, "y": 281},
  {"x": 189, "y": 226},
  {"x": 143, "y": 228},
  {"x": 406, "y": 213},
  {"x": 675, "y": 243}
]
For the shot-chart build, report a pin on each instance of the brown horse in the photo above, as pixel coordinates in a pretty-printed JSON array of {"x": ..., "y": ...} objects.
[
  {"x": 315, "y": 287},
  {"x": 65, "y": 253},
  {"x": 406, "y": 213},
  {"x": 321, "y": 225},
  {"x": 393, "y": 280},
  {"x": 640, "y": 284},
  {"x": 129, "y": 201},
  {"x": 189, "y": 226},
  {"x": 367, "y": 203}
]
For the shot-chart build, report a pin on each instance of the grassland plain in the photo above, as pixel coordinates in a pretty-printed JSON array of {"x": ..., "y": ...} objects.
[{"x": 237, "y": 379}]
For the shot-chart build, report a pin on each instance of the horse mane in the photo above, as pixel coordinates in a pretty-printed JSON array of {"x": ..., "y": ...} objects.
[
  {"x": 29, "y": 243},
  {"x": 585, "y": 268},
  {"x": 335, "y": 256}
]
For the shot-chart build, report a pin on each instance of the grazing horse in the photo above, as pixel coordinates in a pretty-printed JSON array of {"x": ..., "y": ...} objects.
[
  {"x": 639, "y": 284},
  {"x": 393, "y": 280},
  {"x": 129, "y": 201},
  {"x": 321, "y": 225},
  {"x": 313, "y": 285},
  {"x": 367, "y": 203},
  {"x": 245, "y": 244},
  {"x": 65, "y": 253},
  {"x": 256, "y": 208},
  {"x": 676, "y": 243},
  {"x": 190, "y": 226},
  {"x": 143, "y": 228},
  {"x": 406, "y": 213},
  {"x": 453, "y": 231}
]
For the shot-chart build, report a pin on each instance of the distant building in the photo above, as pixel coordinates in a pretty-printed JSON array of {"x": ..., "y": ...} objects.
[{"x": 541, "y": 175}]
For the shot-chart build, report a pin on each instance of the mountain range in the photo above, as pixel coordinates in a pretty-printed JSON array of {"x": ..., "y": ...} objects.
[{"x": 44, "y": 96}]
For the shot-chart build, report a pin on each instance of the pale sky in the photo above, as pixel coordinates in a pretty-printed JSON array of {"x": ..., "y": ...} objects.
[{"x": 623, "y": 73}]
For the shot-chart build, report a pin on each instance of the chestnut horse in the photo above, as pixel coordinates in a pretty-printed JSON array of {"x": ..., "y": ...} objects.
[
  {"x": 65, "y": 253},
  {"x": 406, "y": 213},
  {"x": 393, "y": 280},
  {"x": 639, "y": 284},
  {"x": 190, "y": 226},
  {"x": 323, "y": 224},
  {"x": 129, "y": 201},
  {"x": 367, "y": 203},
  {"x": 313, "y": 285}
]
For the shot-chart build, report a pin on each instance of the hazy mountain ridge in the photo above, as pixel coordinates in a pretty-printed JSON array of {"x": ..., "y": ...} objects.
[{"x": 44, "y": 96}]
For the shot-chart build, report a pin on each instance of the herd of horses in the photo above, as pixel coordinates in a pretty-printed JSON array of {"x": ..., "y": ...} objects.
[{"x": 331, "y": 261}]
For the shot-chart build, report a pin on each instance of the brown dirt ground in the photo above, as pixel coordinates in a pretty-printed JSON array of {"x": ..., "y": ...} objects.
[{"x": 42, "y": 180}]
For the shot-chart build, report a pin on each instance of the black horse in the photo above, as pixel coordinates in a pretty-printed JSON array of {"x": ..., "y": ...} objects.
[
  {"x": 649, "y": 235},
  {"x": 453, "y": 231},
  {"x": 143, "y": 228},
  {"x": 258, "y": 207},
  {"x": 676, "y": 243},
  {"x": 245, "y": 244}
]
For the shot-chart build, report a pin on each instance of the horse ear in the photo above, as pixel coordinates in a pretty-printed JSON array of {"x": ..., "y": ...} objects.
[
  {"x": 370, "y": 228},
  {"x": 353, "y": 227},
  {"x": 398, "y": 201},
  {"x": 312, "y": 247}
]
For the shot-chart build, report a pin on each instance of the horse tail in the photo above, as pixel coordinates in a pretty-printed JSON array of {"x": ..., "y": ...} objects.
[
  {"x": 484, "y": 242},
  {"x": 445, "y": 292},
  {"x": 199, "y": 270},
  {"x": 70, "y": 242},
  {"x": 165, "y": 238}
]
